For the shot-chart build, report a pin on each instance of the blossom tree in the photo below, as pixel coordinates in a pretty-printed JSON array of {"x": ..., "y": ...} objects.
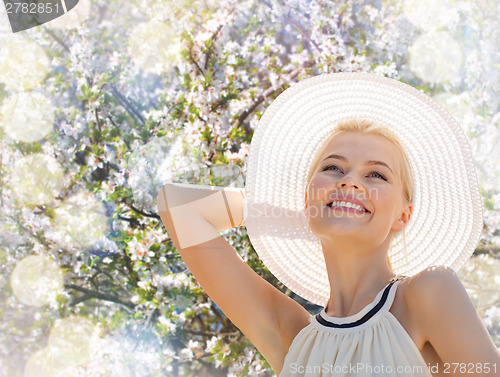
[{"x": 101, "y": 107}]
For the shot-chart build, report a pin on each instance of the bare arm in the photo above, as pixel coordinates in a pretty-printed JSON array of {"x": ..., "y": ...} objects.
[
  {"x": 200, "y": 212},
  {"x": 193, "y": 217}
]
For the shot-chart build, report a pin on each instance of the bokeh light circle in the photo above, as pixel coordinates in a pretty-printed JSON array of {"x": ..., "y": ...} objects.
[
  {"x": 429, "y": 14},
  {"x": 24, "y": 64},
  {"x": 28, "y": 116},
  {"x": 40, "y": 364},
  {"x": 436, "y": 57},
  {"x": 154, "y": 47},
  {"x": 37, "y": 178},
  {"x": 36, "y": 280},
  {"x": 72, "y": 341},
  {"x": 80, "y": 221},
  {"x": 45, "y": 363}
]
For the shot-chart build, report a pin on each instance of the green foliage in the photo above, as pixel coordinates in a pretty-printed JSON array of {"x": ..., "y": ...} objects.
[{"x": 106, "y": 112}]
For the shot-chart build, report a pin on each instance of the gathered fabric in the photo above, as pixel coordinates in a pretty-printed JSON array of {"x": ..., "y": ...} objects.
[{"x": 371, "y": 342}]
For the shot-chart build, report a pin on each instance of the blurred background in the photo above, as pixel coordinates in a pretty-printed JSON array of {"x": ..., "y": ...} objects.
[{"x": 101, "y": 107}]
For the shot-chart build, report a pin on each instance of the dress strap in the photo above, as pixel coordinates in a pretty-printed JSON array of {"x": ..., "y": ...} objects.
[
  {"x": 399, "y": 277},
  {"x": 382, "y": 303},
  {"x": 392, "y": 292}
]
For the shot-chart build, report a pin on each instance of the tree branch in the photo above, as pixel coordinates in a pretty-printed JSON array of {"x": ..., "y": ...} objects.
[
  {"x": 207, "y": 56},
  {"x": 118, "y": 128},
  {"x": 304, "y": 31},
  {"x": 297, "y": 25},
  {"x": 57, "y": 39},
  {"x": 88, "y": 294},
  {"x": 267, "y": 93},
  {"x": 492, "y": 250},
  {"x": 127, "y": 105},
  {"x": 196, "y": 64},
  {"x": 152, "y": 215},
  {"x": 98, "y": 120},
  {"x": 132, "y": 273},
  {"x": 210, "y": 333}
]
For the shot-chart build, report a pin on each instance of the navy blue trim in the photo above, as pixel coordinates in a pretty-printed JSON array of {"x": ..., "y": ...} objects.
[{"x": 362, "y": 320}]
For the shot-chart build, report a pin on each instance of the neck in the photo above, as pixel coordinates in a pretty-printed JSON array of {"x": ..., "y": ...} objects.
[{"x": 356, "y": 273}]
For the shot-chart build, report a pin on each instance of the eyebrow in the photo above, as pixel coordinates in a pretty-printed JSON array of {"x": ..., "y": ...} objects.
[{"x": 371, "y": 162}]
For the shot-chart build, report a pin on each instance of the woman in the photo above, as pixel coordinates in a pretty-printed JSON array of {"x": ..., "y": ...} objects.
[{"x": 405, "y": 166}]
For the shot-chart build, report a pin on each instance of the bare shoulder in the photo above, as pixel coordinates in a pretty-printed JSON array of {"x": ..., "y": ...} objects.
[
  {"x": 431, "y": 276},
  {"x": 425, "y": 283},
  {"x": 407, "y": 307},
  {"x": 447, "y": 318},
  {"x": 431, "y": 285},
  {"x": 423, "y": 289}
]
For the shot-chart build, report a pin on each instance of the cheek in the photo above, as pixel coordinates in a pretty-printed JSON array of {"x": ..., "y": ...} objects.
[
  {"x": 318, "y": 188},
  {"x": 383, "y": 197},
  {"x": 321, "y": 181}
]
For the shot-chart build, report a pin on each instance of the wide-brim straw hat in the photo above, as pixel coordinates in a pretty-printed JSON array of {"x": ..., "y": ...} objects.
[{"x": 447, "y": 219}]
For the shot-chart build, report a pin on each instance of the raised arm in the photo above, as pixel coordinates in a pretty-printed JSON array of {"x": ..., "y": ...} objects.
[
  {"x": 193, "y": 215},
  {"x": 199, "y": 212}
]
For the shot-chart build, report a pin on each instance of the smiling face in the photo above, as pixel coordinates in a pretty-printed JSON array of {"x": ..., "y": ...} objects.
[{"x": 366, "y": 169}]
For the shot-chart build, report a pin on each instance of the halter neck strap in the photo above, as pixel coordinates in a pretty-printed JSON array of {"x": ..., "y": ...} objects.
[{"x": 381, "y": 304}]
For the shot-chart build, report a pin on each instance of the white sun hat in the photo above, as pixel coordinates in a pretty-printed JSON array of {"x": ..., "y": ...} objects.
[{"x": 447, "y": 219}]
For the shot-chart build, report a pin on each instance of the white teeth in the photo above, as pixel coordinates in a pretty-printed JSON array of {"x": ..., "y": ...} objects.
[{"x": 348, "y": 205}]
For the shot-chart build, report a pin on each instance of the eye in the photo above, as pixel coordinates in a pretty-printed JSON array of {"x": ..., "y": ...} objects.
[
  {"x": 327, "y": 167},
  {"x": 381, "y": 176}
]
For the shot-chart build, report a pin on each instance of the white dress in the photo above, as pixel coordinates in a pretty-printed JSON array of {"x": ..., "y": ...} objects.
[{"x": 370, "y": 343}]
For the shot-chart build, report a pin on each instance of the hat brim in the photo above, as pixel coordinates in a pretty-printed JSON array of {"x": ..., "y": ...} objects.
[{"x": 447, "y": 219}]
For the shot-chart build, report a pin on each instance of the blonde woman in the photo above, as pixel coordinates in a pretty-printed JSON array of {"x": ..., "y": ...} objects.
[{"x": 361, "y": 196}]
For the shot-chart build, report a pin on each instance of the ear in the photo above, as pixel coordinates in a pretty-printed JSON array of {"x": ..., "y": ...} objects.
[
  {"x": 405, "y": 217},
  {"x": 305, "y": 200}
]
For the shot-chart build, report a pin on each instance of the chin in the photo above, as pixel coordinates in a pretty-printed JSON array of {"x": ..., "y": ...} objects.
[{"x": 328, "y": 230}]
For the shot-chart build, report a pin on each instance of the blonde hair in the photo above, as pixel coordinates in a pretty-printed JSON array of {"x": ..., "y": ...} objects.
[{"x": 368, "y": 127}]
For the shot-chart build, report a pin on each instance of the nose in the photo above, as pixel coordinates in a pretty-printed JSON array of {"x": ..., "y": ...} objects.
[{"x": 348, "y": 181}]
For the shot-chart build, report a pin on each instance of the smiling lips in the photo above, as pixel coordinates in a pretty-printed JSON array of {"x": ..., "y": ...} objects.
[
  {"x": 347, "y": 206},
  {"x": 347, "y": 209}
]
